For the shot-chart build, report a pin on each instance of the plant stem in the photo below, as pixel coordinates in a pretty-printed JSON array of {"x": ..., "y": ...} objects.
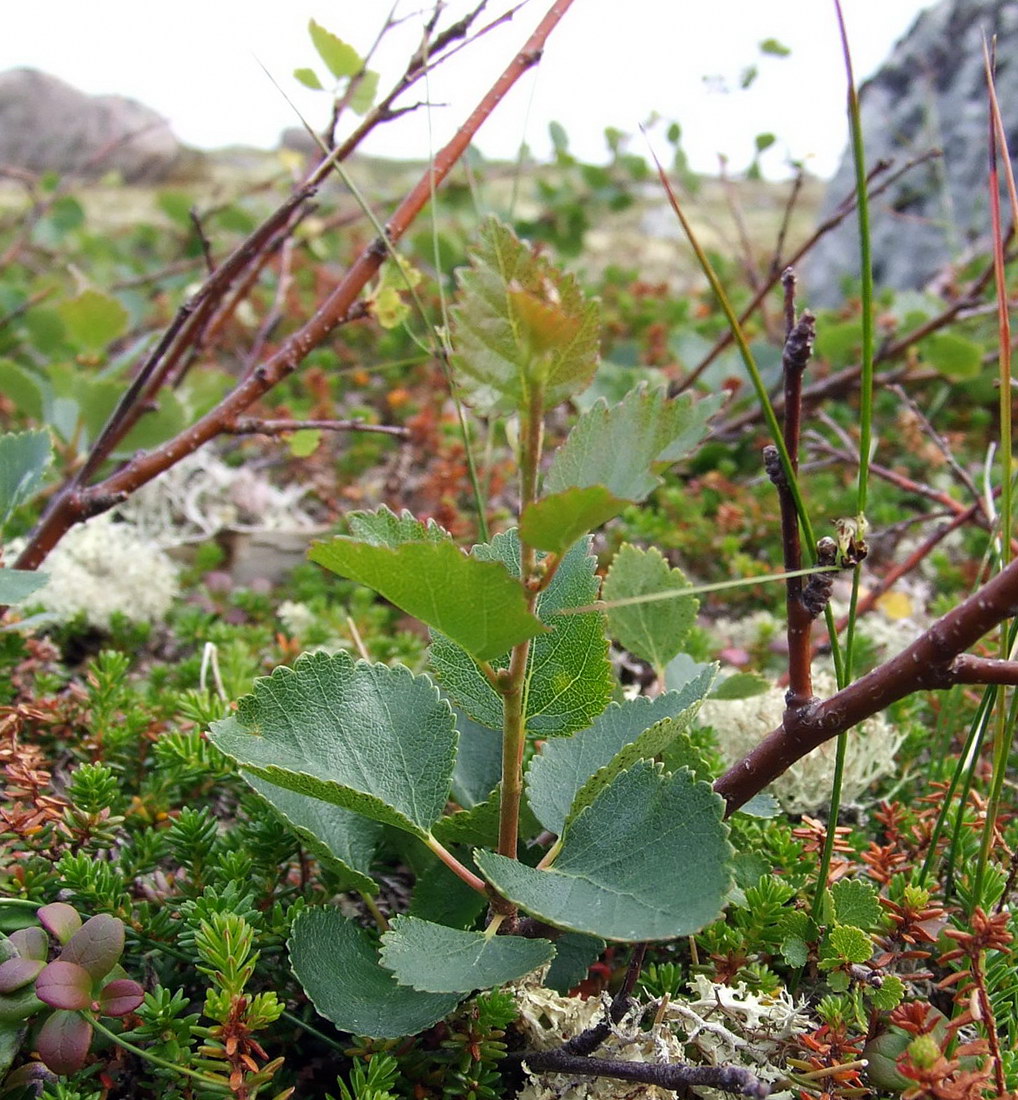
[
  {"x": 455, "y": 866},
  {"x": 153, "y": 1058},
  {"x": 514, "y": 692}
]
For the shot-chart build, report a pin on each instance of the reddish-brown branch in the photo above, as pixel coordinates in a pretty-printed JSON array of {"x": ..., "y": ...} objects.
[
  {"x": 936, "y": 660},
  {"x": 75, "y": 502},
  {"x": 844, "y": 209},
  {"x": 798, "y": 346}
]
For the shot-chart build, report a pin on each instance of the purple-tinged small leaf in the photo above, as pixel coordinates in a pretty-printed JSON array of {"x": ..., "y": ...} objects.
[
  {"x": 32, "y": 1074},
  {"x": 97, "y": 945},
  {"x": 64, "y": 985},
  {"x": 60, "y": 920},
  {"x": 31, "y": 943},
  {"x": 15, "y": 973},
  {"x": 63, "y": 1042},
  {"x": 119, "y": 997}
]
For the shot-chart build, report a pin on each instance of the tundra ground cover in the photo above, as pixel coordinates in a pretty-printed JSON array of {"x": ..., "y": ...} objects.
[{"x": 418, "y": 873}]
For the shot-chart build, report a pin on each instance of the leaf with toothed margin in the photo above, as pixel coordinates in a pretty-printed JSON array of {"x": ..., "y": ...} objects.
[
  {"x": 623, "y": 732},
  {"x": 521, "y": 330},
  {"x": 339, "y": 838},
  {"x": 474, "y": 602},
  {"x": 337, "y": 964},
  {"x": 569, "y": 678},
  {"x": 648, "y": 859},
  {"x": 657, "y": 629},
  {"x": 370, "y": 738},
  {"x": 619, "y": 447},
  {"x": 433, "y": 958}
]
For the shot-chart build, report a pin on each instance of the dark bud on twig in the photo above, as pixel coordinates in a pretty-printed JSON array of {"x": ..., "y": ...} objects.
[
  {"x": 772, "y": 466},
  {"x": 818, "y": 589},
  {"x": 799, "y": 345}
]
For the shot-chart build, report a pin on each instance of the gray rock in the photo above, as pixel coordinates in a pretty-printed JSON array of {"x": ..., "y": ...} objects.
[
  {"x": 48, "y": 126},
  {"x": 930, "y": 94}
]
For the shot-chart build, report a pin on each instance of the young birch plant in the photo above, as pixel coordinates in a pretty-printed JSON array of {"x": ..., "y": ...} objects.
[{"x": 514, "y": 729}]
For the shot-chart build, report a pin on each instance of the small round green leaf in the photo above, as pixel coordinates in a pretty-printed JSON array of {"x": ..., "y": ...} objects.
[
  {"x": 337, "y": 964},
  {"x": 94, "y": 320},
  {"x": 434, "y": 958}
]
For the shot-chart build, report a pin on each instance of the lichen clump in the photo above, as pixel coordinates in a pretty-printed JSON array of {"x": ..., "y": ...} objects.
[
  {"x": 740, "y": 725},
  {"x": 102, "y": 568}
]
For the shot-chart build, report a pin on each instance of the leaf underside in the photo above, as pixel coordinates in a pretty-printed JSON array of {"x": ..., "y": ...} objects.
[
  {"x": 565, "y": 765},
  {"x": 434, "y": 958},
  {"x": 337, "y": 964}
]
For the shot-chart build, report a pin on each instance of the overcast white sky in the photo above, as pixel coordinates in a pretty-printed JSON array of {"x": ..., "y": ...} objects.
[{"x": 609, "y": 63}]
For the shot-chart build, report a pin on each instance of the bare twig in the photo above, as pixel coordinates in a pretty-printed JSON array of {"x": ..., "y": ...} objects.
[
  {"x": 253, "y": 426},
  {"x": 76, "y": 501}
]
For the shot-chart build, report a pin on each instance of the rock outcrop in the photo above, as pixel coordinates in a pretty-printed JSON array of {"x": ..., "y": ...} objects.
[
  {"x": 48, "y": 126},
  {"x": 930, "y": 94}
]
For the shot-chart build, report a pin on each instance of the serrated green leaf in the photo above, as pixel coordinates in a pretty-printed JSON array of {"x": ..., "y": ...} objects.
[
  {"x": 856, "y": 903},
  {"x": 647, "y": 860},
  {"x": 741, "y": 685},
  {"x": 340, "y": 58},
  {"x": 566, "y": 765},
  {"x": 521, "y": 328},
  {"x": 383, "y": 527},
  {"x": 341, "y": 839},
  {"x": 845, "y": 944},
  {"x": 653, "y": 631},
  {"x": 574, "y": 954},
  {"x": 618, "y": 447},
  {"x": 24, "y": 458},
  {"x": 474, "y": 602},
  {"x": 888, "y": 995},
  {"x": 683, "y": 752},
  {"x": 568, "y": 673},
  {"x": 93, "y": 320},
  {"x": 795, "y": 951},
  {"x": 372, "y": 739},
  {"x": 477, "y": 826},
  {"x": 337, "y": 964},
  {"x": 555, "y": 522},
  {"x": 309, "y": 78},
  {"x": 433, "y": 958}
]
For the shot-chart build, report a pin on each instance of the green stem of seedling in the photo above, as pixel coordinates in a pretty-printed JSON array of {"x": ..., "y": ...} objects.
[
  {"x": 1005, "y": 716},
  {"x": 843, "y": 668},
  {"x": 514, "y": 693},
  {"x": 149, "y": 1057}
]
